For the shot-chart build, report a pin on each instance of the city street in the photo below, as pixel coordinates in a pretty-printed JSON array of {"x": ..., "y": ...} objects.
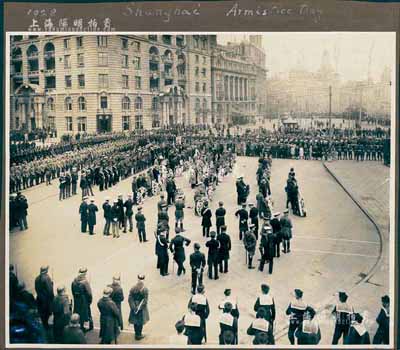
[{"x": 332, "y": 249}]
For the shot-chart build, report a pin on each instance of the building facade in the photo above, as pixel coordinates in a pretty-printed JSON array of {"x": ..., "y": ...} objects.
[
  {"x": 92, "y": 83},
  {"x": 238, "y": 81}
]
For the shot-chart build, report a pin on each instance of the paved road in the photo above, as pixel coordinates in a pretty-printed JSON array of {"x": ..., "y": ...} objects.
[{"x": 332, "y": 246}]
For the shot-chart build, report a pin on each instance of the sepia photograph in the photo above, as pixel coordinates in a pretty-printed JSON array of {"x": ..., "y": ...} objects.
[{"x": 214, "y": 189}]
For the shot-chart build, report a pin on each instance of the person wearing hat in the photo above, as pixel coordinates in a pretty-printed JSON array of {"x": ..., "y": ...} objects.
[
  {"x": 61, "y": 187},
  {"x": 212, "y": 258},
  {"x": 44, "y": 295},
  {"x": 250, "y": 242},
  {"x": 62, "y": 312},
  {"x": 206, "y": 215},
  {"x": 92, "y": 209},
  {"x": 114, "y": 219},
  {"x": 138, "y": 300},
  {"x": 107, "y": 216},
  {"x": 228, "y": 323},
  {"x": 83, "y": 184},
  {"x": 197, "y": 263},
  {"x": 179, "y": 213},
  {"x": 253, "y": 215},
  {"x": 295, "y": 311},
  {"x": 21, "y": 208},
  {"x": 260, "y": 326},
  {"x": 163, "y": 220},
  {"x": 225, "y": 246},
  {"x": 229, "y": 299},
  {"x": 170, "y": 187},
  {"x": 128, "y": 213},
  {"x": 162, "y": 203},
  {"x": 162, "y": 253},
  {"x": 82, "y": 294},
  {"x": 358, "y": 334},
  {"x": 72, "y": 333},
  {"x": 84, "y": 213},
  {"x": 286, "y": 230},
  {"x": 220, "y": 217},
  {"x": 193, "y": 330},
  {"x": 117, "y": 294},
  {"x": 177, "y": 248},
  {"x": 242, "y": 190},
  {"x": 203, "y": 307},
  {"x": 110, "y": 318},
  {"x": 262, "y": 206},
  {"x": 308, "y": 333},
  {"x": 121, "y": 213},
  {"x": 267, "y": 249},
  {"x": 243, "y": 220},
  {"x": 266, "y": 302},
  {"x": 343, "y": 313},
  {"x": 140, "y": 224},
  {"x": 383, "y": 320},
  {"x": 276, "y": 229}
]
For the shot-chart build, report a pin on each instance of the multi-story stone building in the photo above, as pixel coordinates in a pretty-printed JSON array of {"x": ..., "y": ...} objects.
[
  {"x": 238, "y": 81},
  {"x": 95, "y": 83}
]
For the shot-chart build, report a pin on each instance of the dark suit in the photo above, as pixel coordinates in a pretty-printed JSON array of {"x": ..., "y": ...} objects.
[
  {"x": 107, "y": 217},
  {"x": 220, "y": 218},
  {"x": 197, "y": 261},
  {"x": 206, "y": 221},
  {"x": 177, "y": 248},
  {"x": 83, "y": 211},
  {"x": 212, "y": 259},
  {"x": 45, "y": 296},
  {"x": 223, "y": 252},
  {"x": 92, "y": 209}
]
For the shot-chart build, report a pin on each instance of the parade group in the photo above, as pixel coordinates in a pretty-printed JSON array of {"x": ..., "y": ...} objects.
[{"x": 155, "y": 160}]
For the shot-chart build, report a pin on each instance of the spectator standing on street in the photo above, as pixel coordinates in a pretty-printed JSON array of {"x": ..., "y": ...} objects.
[
  {"x": 117, "y": 295},
  {"x": 62, "y": 314},
  {"x": 128, "y": 213},
  {"x": 225, "y": 246},
  {"x": 110, "y": 318},
  {"x": 343, "y": 313},
  {"x": 84, "y": 212},
  {"x": 73, "y": 333},
  {"x": 138, "y": 300},
  {"x": 45, "y": 295},
  {"x": 114, "y": 219},
  {"x": 140, "y": 224},
  {"x": 107, "y": 216},
  {"x": 82, "y": 294},
  {"x": 92, "y": 209},
  {"x": 22, "y": 211},
  {"x": 383, "y": 320}
]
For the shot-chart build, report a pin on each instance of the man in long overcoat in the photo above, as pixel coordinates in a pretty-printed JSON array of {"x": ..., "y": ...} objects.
[
  {"x": 177, "y": 248},
  {"x": 110, "y": 318},
  {"x": 224, "y": 248},
  {"x": 138, "y": 299},
  {"x": 62, "y": 314},
  {"x": 82, "y": 294},
  {"x": 84, "y": 213},
  {"x": 92, "y": 209},
  {"x": 45, "y": 295},
  {"x": 117, "y": 295}
]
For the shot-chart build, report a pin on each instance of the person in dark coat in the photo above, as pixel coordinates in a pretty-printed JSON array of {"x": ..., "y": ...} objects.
[
  {"x": 227, "y": 322},
  {"x": 107, "y": 217},
  {"x": 114, "y": 219},
  {"x": 203, "y": 307},
  {"x": 44, "y": 295},
  {"x": 117, "y": 295},
  {"x": 22, "y": 211},
  {"x": 267, "y": 249},
  {"x": 295, "y": 311},
  {"x": 266, "y": 302},
  {"x": 110, "y": 318},
  {"x": 383, "y": 320},
  {"x": 193, "y": 329},
  {"x": 92, "y": 209},
  {"x": 250, "y": 243},
  {"x": 171, "y": 189},
  {"x": 206, "y": 219},
  {"x": 163, "y": 219},
  {"x": 225, "y": 246},
  {"x": 61, "y": 187},
  {"x": 243, "y": 220},
  {"x": 25, "y": 297},
  {"x": 83, "y": 184},
  {"x": 276, "y": 229},
  {"x": 121, "y": 213},
  {"x": 179, "y": 213},
  {"x": 13, "y": 283},
  {"x": 74, "y": 180},
  {"x": 177, "y": 248},
  {"x": 129, "y": 213},
  {"x": 286, "y": 230},
  {"x": 197, "y": 263},
  {"x": 358, "y": 334},
  {"x": 308, "y": 333},
  {"x": 72, "y": 333},
  {"x": 242, "y": 190},
  {"x": 84, "y": 212},
  {"x": 262, "y": 206},
  {"x": 162, "y": 203},
  {"x": 62, "y": 314},
  {"x": 220, "y": 217},
  {"x": 141, "y": 225},
  {"x": 212, "y": 259},
  {"x": 162, "y": 254},
  {"x": 343, "y": 313},
  {"x": 82, "y": 294},
  {"x": 233, "y": 301},
  {"x": 253, "y": 215},
  {"x": 138, "y": 300},
  {"x": 260, "y": 326}
]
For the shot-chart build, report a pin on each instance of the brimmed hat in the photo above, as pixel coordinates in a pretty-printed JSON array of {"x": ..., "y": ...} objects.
[
  {"x": 44, "y": 269},
  {"x": 83, "y": 270},
  {"x": 141, "y": 277}
]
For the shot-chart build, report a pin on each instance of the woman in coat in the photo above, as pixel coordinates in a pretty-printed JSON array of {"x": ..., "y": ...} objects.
[
  {"x": 110, "y": 318},
  {"x": 138, "y": 299}
]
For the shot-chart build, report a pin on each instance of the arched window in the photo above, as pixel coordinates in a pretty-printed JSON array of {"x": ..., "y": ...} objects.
[
  {"x": 82, "y": 103},
  {"x": 154, "y": 104},
  {"x": 50, "y": 104},
  {"x": 153, "y": 51},
  {"x": 32, "y": 51},
  {"x": 126, "y": 103},
  {"x": 168, "y": 55},
  {"x": 68, "y": 104},
  {"x": 17, "y": 53},
  {"x": 138, "y": 103},
  {"x": 49, "y": 47}
]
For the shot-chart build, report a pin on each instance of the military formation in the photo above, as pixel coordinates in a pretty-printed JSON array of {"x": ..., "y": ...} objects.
[{"x": 154, "y": 165}]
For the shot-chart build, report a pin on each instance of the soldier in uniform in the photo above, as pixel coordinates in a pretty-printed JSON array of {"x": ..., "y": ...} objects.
[
  {"x": 179, "y": 213},
  {"x": 162, "y": 254},
  {"x": 110, "y": 318},
  {"x": 67, "y": 185},
  {"x": 177, "y": 248},
  {"x": 163, "y": 219},
  {"x": 62, "y": 313},
  {"x": 107, "y": 217},
  {"x": 162, "y": 203},
  {"x": 114, "y": 221},
  {"x": 84, "y": 213},
  {"x": 243, "y": 220},
  {"x": 220, "y": 217},
  {"x": 383, "y": 320},
  {"x": 253, "y": 215},
  {"x": 92, "y": 209},
  {"x": 22, "y": 211},
  {"x": 72, "y": 333},
  {"x": 286, "y": 230},
  {"x": 308, "y": 333},
  {"x": 260, "y": 326},
  {"x": 83, "y": 184},
  {"x": 267, "y": 249},
  {"x": 45, "y": 295},
  {"x": 343, "y": 313},
  {"x": 121, "y": 213},
  {"x": 128, "y": 213},
  {"x": 74, "y": 180},
  {"x": 61, "y": 187},
  {"x": 358, "y": 334},
  {"x": 193, "y": 329},
  {"x": 266, "y": 302},
  {"x": 203, "y": 308},
  {"x": 276, "y": 229},
  {"x": 206, "y": 219},
  {"x": 224, "y": 248},
  {"x": 117, "y": 295},
  {"x": 82, "y": 294},
  {"x": 197, "y": 263},
  {"x": 140, "y": 224},
  {"x": 250, "y": 242},
  {"x": 229, "y": 299},
  {"x": 227, "y": 322},
  {"x": 212, "y": 259},
  {"x": 138, "y": 300},
  {"x": 295, "y": 311}
]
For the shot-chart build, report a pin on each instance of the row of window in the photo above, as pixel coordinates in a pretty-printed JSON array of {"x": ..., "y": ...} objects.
[
  {"x": 126, "y": 103},
  {"x": 197, "y": 59},
  {"x": 203, "y": 72},
  {"x": 197, "y": 87},
  {"x": 81, "y": 123},
  {"x": 102, "y": 41}
]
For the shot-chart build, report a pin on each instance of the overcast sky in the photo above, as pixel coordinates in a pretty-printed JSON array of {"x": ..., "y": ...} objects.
[{"x": 285, "y": 51}]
